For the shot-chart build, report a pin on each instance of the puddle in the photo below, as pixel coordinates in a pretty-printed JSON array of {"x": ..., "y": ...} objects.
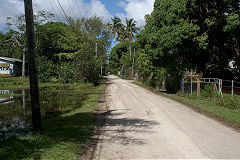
[{"x": 15, "y": 111}]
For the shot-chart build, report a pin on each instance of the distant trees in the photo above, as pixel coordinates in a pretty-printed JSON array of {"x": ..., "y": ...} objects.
[
  {"x": 17, "y": 29},
  {"x": 65, "y": 53},
  {"x": 180, "y": 35},
  {"x": 123, "y": 33}
]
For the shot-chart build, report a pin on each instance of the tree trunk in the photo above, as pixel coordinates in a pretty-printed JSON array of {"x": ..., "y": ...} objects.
[
  {"x": 130, "y": 51},
  {"x": 133, "y": 64},
  {"x": 33, "y": 77},
  {"x": 23, "y": 65}
]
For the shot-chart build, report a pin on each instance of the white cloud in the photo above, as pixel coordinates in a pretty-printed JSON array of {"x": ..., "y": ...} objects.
[
  {"x": 73, "y": 8},
  {"x": 10, "y": 8},
  {"x": 136, "y": 9}
]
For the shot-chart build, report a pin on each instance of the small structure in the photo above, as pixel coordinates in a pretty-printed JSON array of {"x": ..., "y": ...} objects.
[{"x": 10, "y": 66}]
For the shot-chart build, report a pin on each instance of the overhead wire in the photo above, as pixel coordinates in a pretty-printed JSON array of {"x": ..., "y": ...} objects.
[
  {"x": 54, "y": 10},
  {"x": 64, "y": 13},
  {"x": 71, "y": 9},
  {"x": 78, "y": 7},
  {"x": 58, "y": 8}
]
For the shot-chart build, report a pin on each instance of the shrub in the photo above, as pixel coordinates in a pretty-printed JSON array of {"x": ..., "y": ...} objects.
[
  {"x": 228, "y": 103},
  {"x": 208, "y": 91}
]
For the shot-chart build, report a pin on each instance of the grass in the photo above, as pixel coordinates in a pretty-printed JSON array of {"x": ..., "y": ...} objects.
[
  {"x": 19, "y": 83},
  {"x": 224, "y": 110},
  {"x": 63, "y": 137},
  {"x": 210, "y": 106}
]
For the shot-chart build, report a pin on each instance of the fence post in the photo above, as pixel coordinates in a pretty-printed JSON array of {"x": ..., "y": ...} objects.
[
  {"x": 199, "y": 94},
  {"x": 232, "y": 88},
  {"x": 191, "y": 85},
  {"x": 219, "y": 92},
  {"x": 197, "y": 87},
  {"x": 183, "y": 85}
]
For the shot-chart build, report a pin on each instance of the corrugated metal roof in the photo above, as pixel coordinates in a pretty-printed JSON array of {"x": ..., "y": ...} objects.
[{"x": 10, "y": 59}]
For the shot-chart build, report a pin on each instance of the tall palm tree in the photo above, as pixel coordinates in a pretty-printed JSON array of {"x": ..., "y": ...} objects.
[
  {"x": 115, "y": 27},
  {"x": 130, "y": 29}
]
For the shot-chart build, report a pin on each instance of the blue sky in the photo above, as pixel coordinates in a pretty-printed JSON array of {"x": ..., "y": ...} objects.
[{"x": 107, "y": 9}]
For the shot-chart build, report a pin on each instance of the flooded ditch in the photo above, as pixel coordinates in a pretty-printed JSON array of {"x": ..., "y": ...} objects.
[{"x": 15, "y": 109}]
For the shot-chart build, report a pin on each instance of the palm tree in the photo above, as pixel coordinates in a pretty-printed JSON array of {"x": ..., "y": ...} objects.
[
  {"x": 130, "y": 30},
  {"x": 115, "y": 27}
]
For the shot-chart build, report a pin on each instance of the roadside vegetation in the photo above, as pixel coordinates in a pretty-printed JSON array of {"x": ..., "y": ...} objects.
[
  {"x": 225, "y": 110},
  {"x": 71, "y": 62},
  {"x": 62, "y": 137},
  {"x": 180, "y": 36}
]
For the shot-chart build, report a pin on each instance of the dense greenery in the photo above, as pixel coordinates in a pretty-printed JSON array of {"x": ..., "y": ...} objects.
[
  {"x": 66, "y": 53},
  {"x": 188, "y": 34},
  {"x": 119, "y": 59},
  {"x": 63, "y": 136}
]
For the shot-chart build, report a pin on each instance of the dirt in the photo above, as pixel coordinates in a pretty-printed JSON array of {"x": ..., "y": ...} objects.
[{"x": 139, "y": 124}]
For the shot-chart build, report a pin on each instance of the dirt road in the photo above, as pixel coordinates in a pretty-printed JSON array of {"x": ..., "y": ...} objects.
[{"x": 143, "y": 125}]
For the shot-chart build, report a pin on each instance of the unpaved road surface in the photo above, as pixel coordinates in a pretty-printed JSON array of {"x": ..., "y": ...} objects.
[{"x": 143, "y": 125}]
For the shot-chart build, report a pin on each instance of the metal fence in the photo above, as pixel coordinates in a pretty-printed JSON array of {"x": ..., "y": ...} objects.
[{"x": 195, "y": 85}]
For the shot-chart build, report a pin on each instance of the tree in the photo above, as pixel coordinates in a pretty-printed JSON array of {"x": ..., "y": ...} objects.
[
  {"x": 116, "y": 27},
  {"x": 62, "y": 47},
  {"x": 17, "y": 26},
  {"x": 189, "y": 34},
  {"x": 7, "y": 47},
  {"x": 116, "y": 61},
  {"x": 130, "y": 30}
]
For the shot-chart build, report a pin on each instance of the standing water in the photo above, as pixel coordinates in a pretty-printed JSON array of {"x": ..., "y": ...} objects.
[{"x": 15, "y": 109}]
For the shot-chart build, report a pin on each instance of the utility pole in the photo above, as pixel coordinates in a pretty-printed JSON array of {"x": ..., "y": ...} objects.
[{"x": 33, "y": 77}]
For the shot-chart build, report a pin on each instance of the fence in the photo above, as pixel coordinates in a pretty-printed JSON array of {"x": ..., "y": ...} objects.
[{"x": 195, "y": 85}]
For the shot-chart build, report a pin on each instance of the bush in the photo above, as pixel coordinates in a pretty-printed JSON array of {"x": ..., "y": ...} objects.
[
  {"x": 228, "y": 103},
  {"x": 46, "y": 69},
  {"x": 208, "y": 91}
]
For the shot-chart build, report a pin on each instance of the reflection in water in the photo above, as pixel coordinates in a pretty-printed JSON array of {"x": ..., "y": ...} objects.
[
  {"x": 14, "y": 127},
  {"x": 15, "y": 117}
]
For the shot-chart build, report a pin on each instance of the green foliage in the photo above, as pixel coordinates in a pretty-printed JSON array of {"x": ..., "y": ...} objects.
[
  {"x": 189, "y": 34},
  {"x": 208, "y": 91},
  {"x": 46, "y": 69},
  {"x": 118, "y": 55},
  {"x": 63, "y": 137},
  {"x": 228, "y": 103}
]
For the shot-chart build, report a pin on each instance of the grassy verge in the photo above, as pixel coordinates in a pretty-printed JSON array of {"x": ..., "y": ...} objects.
[
  {"x": 19, "y": 83},
  {"x": 224, "y": 110},
  {"x": 62, "y": 137}
]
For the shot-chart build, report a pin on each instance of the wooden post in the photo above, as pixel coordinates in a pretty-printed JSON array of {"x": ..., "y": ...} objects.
[
  {"x": 191, "y": 82},
  {"x": 199, "y": 94},
  {"x": 23, "y": 65},
  {"x": 232, "y": 92},
  {"x": 183, "y": 85},
  {"x": 198, "y": 87},
  {"x": 33, "y": 77},
  {"x": 221, "y": 88},
  {"x": 191, "y": 85},
  {"x": 219, "y": 92}
]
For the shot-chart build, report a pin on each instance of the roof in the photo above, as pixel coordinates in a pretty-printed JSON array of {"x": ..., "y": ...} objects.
[{"x": 10, "y": 59}]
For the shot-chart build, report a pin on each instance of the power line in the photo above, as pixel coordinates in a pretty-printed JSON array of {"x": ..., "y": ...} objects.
[
  {"x": 71, "y": 9},
  {"x": 78, "y": 7},
  {"x": 54, "y": 10},
  {"x": 58, "y": 8},
  {"x": 64, "y": 13}
]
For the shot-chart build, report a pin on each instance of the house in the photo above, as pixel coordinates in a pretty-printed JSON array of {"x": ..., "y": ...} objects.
[{"x": 10, "y": 66}]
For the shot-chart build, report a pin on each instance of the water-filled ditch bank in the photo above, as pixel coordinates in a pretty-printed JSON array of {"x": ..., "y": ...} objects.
[{"x": 15, "y": 109}]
